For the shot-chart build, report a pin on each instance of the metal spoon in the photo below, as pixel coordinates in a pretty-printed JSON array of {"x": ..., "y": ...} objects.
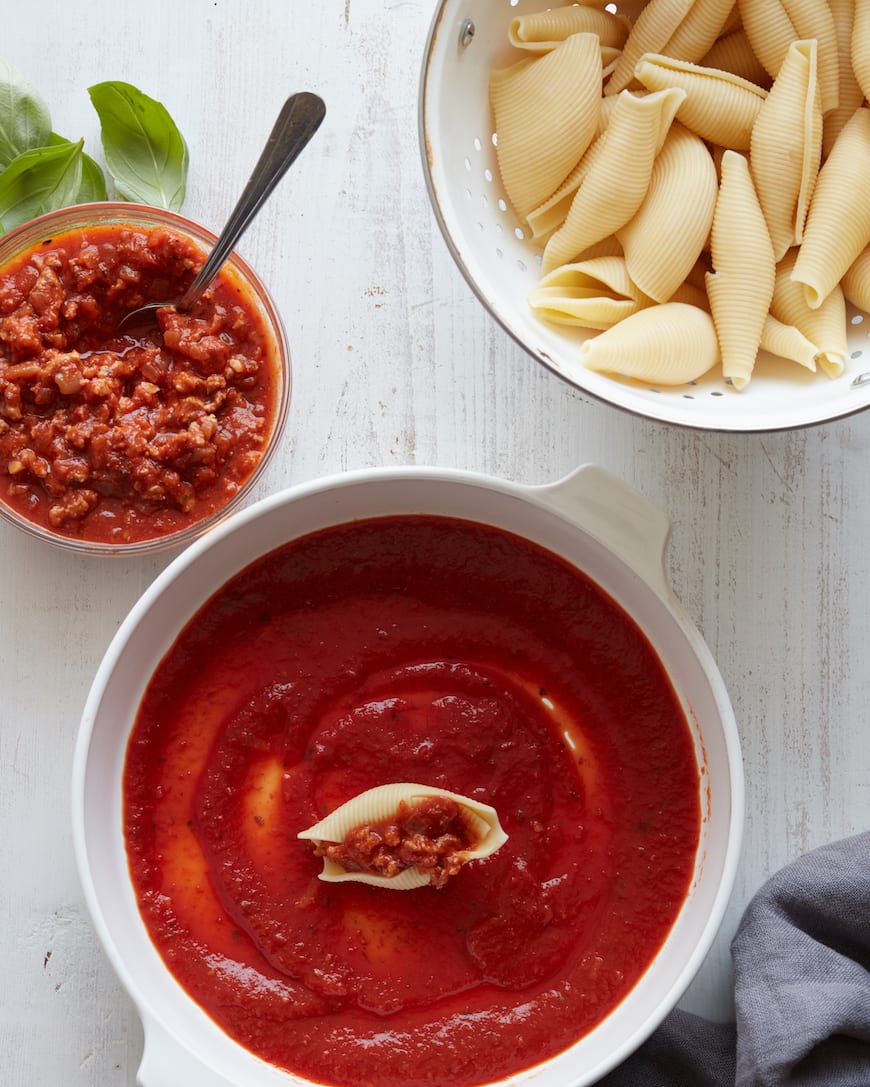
[{"x": 297, "y": 122}]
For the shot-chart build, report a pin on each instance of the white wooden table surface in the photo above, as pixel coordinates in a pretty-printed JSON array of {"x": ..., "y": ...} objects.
[{"x": 397, "y": 363}]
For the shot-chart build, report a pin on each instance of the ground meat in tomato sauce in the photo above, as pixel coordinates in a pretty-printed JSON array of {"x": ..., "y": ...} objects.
[
  {"x": 123, "y": 437},
  {"x": 432, "y": 835}
]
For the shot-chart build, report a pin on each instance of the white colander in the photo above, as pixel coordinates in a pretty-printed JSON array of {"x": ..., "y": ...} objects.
[{"x": 467, "y": 39}]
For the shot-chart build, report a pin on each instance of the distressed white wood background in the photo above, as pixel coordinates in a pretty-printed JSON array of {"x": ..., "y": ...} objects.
[{"x": 396, "y": 363}]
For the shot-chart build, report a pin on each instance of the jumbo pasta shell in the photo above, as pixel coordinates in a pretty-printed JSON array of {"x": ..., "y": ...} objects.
[
  {"x": 860, "y": 46},
  {"x": 382, "y": 802},
  {"x": 744, "y": 267},
  {"x": 772, "y": 25},
  {"x": 824, "y": 325},
  {"x": 594, "y": 293},
  {"x": 733, "y": 53},
  {"x": 856, "y": 281},
  {"x": 788, "y": 342},
  {"x": 668, "y": 344},
  {"x": 617, "y": 180},
  {"x": 541, "y": 31},
  {"x": 718, "y": 107},
  {"x": 666, "y": 236},
  {"x": 838, "y": 223},
  {"x": 546, "y": 115},
  {"x": 786, "y": 146},
  {"x": 684, "y": 29},
  {"x": 850, "y": 94}
]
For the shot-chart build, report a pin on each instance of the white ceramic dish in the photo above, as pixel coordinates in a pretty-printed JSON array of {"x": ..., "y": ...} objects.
[
  {"x": 467, "y": 39},
  {"x": 591, "y": 519}
]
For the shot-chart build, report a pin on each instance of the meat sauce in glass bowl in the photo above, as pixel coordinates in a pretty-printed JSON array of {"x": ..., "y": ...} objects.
[{"x": 134, "y": 440}]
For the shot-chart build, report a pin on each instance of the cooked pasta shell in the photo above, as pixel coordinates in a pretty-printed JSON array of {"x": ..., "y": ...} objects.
[
  {"x": 382, "y": 802},
  {"x": 856, "y": 282},
  {"x": 838, "y": 223},
  {"x": 651, "y": 33},
  {"x": 824, "y": 325},
  {"x": 595, "y": 293},
  {"x": 666, "y": 344},
  {"x": 741, "y": 286},
  {"x": 772, "y": 25},
  {"x": 719, "y": 107},
  {"x": 541, "y": 31},
  {"x": 550, "y": 215},
  {"x": 616, "y": 182},
  {"x": 733, "y": 53},
  {"x": 851, "y": 96},
  {"x": 699, "y": 30},
  {"x": 860, "y": 46},
  {"x": 546, "y": 114},
  {"x": 683, "y": 30},
  {"x": 788, "y": 342},
  {"x": 666, "y": 236},
  {"x": 786, "y": 146}
]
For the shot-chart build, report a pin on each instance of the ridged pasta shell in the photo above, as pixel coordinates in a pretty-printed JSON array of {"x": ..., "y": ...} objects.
[
  {"x": 850, "y": 94},
  {"x": 546, "y": 115},
  {"x": 786, "y": 146},
  {"x": 591, "y": 294},
  {"x": 617, "y": 180},
  {"x": 788, "y": 342},
  {"x": 666, "y": 236},
  {"x": 838, "y": 223},
  {"x": 772, "y": 25},
  {"x": 824, "y": 325},
  {"x": 860, "y": 46},
  {"x": 380, "y": 803},
  {"x": 733, "y": 53},
  {"x": 666, "y": 344},
  {"x": 856, "y": 282},
  {"x": 741, "y": 286},
  {"x": 719, "y": 107},
  {"x": 684, "y": 29},
  {"x": 541, "y": 31}
]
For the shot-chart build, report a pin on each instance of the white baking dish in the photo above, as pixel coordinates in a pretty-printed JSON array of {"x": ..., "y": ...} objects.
[{"x": 589, "y": 518}]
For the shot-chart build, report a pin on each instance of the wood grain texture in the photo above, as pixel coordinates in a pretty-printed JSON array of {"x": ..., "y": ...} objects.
[{"x": 397, "y": 363}]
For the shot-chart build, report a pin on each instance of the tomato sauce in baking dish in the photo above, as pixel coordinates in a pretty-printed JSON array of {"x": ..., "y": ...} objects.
[
  {"x": 119, "y": 438},
  {"x": 410, "y": 649}
]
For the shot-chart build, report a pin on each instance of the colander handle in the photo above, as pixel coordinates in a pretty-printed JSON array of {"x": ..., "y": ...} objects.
[
  {"x": 618, "y": 516},
  {"x": 167, "y": 1063}
]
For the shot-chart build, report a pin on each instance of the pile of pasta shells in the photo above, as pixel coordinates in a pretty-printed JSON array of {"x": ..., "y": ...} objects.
[{"x": 697, "y": 178}]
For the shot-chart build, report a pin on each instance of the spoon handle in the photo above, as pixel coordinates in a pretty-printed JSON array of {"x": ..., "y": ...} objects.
[{"x": 297, "y": 122}]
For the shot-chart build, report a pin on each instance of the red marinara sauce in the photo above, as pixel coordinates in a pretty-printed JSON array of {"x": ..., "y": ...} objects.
[
  {"x": 120, "y": 438},
  {"x": 418, "y": 649}
]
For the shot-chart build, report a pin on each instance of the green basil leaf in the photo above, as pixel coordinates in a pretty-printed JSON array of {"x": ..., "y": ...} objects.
[
  {"x": 145, "y": 153},
  {"x": 93, "y": 186},
  {"x": 24, "y": 119},
  {"x": 38, "y": 181}
]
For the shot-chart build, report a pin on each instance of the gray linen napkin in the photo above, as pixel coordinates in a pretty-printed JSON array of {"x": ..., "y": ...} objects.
[{"x": 801, "y": 988}]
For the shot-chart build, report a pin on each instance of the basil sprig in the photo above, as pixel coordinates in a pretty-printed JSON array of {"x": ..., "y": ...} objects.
[{"x": 146, "y": 156}]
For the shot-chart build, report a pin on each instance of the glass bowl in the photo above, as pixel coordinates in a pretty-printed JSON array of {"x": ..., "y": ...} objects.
[{"x": 127, "y": 443}]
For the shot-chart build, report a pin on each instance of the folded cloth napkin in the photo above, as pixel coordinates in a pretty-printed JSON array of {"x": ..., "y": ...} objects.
[{"x": 801, "y": 989}]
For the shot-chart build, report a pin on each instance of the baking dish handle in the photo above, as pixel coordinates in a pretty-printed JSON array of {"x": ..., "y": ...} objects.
[
  {"x": 166, "y": 1063},
  {"x": 618, "y": 516}
]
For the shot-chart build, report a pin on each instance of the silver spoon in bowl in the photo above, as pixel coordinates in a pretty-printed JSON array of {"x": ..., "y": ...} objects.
[{"x": 297, "y": 122}]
